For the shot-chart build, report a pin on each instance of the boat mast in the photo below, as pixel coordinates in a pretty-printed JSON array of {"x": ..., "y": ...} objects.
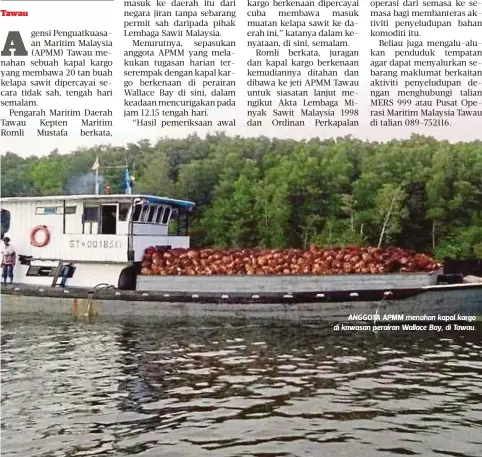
[
  {"x": 95, "y": 168},
  {"x": 97, "y": 182},
  {"x": 127, "y": 177}
]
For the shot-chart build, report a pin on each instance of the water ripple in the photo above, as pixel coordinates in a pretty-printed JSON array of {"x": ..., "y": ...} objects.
[{"x": 219, "y": 388}]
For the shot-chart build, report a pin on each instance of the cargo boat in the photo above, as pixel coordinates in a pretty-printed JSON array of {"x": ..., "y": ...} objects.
[{"x": 83, "y": 253}]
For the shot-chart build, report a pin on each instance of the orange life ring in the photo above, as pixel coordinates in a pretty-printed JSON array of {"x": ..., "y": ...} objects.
[{"x": 33, "y": 233}]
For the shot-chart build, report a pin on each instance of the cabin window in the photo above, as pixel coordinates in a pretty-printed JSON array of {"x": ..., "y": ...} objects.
[
  {"x": 91, "y": 214},
  {"x": 167, "y": 213},
  {"x": 159, "y": 214},
  {"x": 175, "y": 227},
  {"x": 152, "y": 213},
  {"x": 145, "y": 213},
  {"x": 137, "y": 212},
  {"x": 5, "y": 219},
  {"x": 47, "y": 210},
  {"x": 90, "y": 219},
  {"x": 68, "y": 210},
  {"x": 124, "y": 211}
]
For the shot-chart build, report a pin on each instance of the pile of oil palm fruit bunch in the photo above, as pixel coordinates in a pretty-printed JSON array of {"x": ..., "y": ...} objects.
[{"x": 312, "y": 261}]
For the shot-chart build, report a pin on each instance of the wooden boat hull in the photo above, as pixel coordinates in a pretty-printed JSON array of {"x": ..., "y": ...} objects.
[
  {"x": 464, "y": 299},
  {"x": 286, "y": 284}
]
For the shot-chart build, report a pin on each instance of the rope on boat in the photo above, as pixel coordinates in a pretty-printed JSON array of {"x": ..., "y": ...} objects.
[
  {"x": 103, "y": 286},
  {"x": 90, "y": 297},
  {"x": 387, "y": 294},
  {"x": 90, "y": 306}
]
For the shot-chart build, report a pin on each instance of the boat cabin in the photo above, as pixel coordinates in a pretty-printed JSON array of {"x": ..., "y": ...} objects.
[{"x": 94, "y": 228}]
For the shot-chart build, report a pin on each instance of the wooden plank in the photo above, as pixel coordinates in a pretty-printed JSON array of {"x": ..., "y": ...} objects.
[
  {"x": 57, "y": 273},
  {"x": 285, "y": 284}
]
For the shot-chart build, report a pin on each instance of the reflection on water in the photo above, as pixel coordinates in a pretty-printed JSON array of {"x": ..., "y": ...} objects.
[{"x": 215, "y": 388}]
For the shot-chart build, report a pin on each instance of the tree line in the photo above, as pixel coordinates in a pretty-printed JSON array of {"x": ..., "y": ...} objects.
[{"x": 419, "y": 193}]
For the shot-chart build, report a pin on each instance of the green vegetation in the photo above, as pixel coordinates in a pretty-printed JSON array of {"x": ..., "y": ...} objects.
[{"x": 420, "y": 193}]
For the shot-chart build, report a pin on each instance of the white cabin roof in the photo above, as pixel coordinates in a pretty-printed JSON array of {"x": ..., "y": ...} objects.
[{"x": 118, "y": 198}]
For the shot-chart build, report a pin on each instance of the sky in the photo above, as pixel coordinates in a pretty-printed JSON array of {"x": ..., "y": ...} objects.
[{"x": 79, "y": 15}]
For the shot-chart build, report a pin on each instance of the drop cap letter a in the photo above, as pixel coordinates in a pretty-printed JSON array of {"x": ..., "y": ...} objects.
[{"x": 14, "y": 46}]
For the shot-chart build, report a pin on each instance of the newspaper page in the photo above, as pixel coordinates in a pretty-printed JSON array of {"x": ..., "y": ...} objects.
[
  {"x": 289, "y": 139},
  {"x": 241, "y": 228}
]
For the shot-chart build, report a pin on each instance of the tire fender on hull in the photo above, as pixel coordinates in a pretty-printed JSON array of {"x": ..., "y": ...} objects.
[{"x": 128, "y": 278}]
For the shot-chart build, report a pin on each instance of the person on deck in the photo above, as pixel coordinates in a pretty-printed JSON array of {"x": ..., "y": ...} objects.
[{"x": 8, "y": 260}]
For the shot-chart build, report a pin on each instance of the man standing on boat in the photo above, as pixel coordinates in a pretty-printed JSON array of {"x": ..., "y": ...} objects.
[{"x": 9, "y": 258}]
